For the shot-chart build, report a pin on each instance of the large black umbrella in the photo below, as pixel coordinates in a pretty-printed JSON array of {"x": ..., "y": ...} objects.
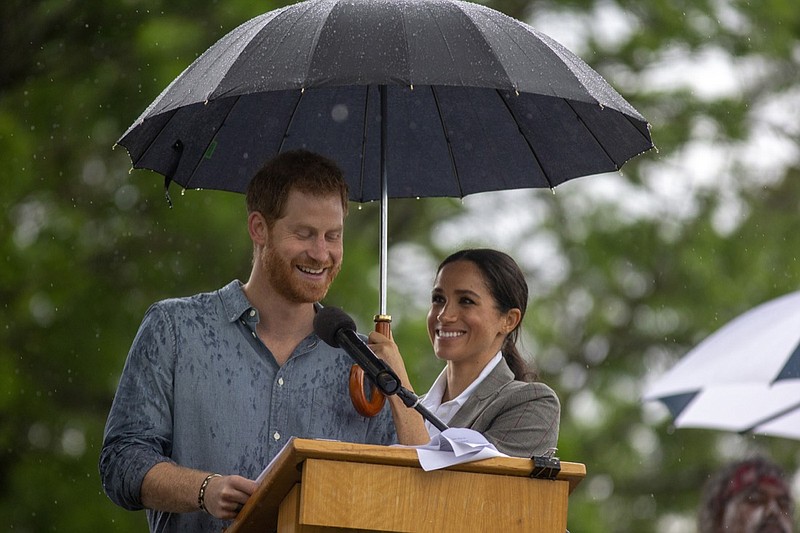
[{"x": 413, "y": 98}]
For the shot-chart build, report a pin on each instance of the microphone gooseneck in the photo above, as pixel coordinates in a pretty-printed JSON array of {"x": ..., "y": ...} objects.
[{"x": 337, "y": 329}]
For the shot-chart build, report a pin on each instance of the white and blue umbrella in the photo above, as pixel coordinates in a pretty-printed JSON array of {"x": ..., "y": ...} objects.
[{"x": 745, "y": 377}]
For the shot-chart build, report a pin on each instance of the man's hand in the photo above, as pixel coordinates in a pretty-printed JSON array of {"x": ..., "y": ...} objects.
[
  {"x": 175, "y": 489},
  {"x": 225, "y": 496}
]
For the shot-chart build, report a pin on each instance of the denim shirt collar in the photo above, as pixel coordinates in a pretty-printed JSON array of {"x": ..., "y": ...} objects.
[
  {"x": 238, "y": 307},
  {"x": 234, "y": 301}
]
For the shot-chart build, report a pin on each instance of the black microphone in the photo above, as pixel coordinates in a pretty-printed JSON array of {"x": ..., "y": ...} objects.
[{"x": 337, "y": 329}]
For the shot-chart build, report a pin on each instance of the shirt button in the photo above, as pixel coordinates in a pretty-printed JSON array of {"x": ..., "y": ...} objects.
[
  {"x": 252, "y": 312},
  {"x": 280, "y": 382},
  {"x": 276, "y": 436}
]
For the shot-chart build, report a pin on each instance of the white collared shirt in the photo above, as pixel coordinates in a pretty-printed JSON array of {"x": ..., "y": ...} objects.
[{"x": 445, "y": 411}]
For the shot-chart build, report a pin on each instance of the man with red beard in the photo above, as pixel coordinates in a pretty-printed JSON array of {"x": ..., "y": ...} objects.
[
  {"x": 215, "y": 384},
  {"x": 749, "y": 496}
]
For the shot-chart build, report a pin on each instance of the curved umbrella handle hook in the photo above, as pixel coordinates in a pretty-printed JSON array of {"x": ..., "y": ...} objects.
[{"x": 373, "y": 406}]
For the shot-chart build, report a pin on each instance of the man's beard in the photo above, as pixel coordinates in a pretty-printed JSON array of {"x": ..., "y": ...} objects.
[{"x": 283, "y": 278}]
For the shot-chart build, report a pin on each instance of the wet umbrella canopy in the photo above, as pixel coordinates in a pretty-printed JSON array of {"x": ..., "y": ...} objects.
[
  {"x": 413, "y": 98},
  {"x": 475, "y": 101}
]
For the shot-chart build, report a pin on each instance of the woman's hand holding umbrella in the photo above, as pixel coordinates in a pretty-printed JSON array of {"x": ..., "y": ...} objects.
[{"x": 409, "y": 423}]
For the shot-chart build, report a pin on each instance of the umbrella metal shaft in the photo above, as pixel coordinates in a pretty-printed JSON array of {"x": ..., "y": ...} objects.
[{"x": 384, "y": 236}]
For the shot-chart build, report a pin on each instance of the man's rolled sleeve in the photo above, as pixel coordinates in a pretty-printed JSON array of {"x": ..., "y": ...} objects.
[
  {"x": 138, "y": 432},
  {"x": 123, "y": 465}
]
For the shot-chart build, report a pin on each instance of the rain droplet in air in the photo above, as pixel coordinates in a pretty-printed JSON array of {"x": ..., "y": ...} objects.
[{"x": 339, "y": 113}]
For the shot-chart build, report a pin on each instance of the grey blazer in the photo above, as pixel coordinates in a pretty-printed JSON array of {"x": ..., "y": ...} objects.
[{"x": 520, "y": 419}]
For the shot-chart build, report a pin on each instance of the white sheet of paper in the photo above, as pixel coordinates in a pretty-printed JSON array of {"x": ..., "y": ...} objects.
[{"x": 455, "y": 446}]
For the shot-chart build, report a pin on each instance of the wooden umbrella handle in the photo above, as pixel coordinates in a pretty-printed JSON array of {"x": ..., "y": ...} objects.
[{"x": 372, "y": 407}]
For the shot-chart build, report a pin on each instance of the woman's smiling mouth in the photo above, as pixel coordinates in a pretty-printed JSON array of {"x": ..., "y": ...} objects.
[{"x": 448, "y": 334}]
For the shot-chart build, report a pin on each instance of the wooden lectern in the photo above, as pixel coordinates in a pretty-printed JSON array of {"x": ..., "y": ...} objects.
[{"x": 315, "y": 486}]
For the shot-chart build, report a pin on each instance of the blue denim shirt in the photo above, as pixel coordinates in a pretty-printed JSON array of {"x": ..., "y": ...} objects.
[{"x": 200, "y": 390}]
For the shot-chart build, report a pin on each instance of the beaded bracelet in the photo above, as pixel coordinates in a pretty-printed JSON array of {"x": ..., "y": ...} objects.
[{"x": 201, "y": 497}]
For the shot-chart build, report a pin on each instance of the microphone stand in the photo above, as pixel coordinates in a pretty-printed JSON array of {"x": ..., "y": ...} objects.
[
  {"x": 381, "y": 375},
  {"x": 412, "y": 400},
  {"x": 389, "y": 384}
]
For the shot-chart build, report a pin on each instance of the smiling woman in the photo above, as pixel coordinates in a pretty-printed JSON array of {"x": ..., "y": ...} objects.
[{"x": 478, "y": 301}]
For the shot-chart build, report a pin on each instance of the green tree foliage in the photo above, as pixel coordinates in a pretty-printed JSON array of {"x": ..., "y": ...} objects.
[{"x": 626, "y": 279}]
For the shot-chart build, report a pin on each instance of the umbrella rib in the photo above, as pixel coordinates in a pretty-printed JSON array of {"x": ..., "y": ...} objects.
[
  {"x": 263, "y": 20},
  {"x": 754, "y": 428},
  {"x": 364, "y": 144},
  {"x": 527, "y": 141},
  {"x": 479, "y": 29},
  {"x": 222, "y": 124},
  {"x": 315, "y": 40},
  {"x": 291, "y": 120},
  {"x": 453, "y": 164},
  {"x": 560, "y": 55},
  {"x": 407, "y": 51},
  {"x": 213, "y": 137},
  {"x": 152, "y": 141},
  {"x": 446, "y": 42},
  {"x": 580, "y": 118},
  {"x": 633, "y": 122},
  {"x": 630, "y": 120}
]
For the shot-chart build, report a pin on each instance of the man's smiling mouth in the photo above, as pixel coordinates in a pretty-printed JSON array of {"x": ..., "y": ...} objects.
[{"x": 312, "y": 271}]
